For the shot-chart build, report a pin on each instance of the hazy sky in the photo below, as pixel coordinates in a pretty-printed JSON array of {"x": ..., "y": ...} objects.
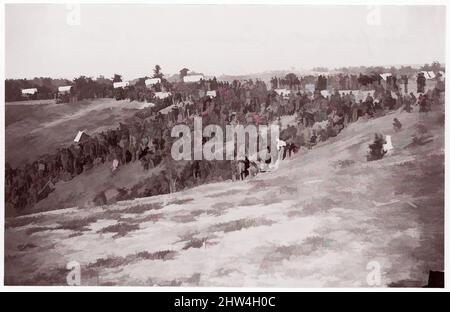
[{"x": 215, "y": 39}]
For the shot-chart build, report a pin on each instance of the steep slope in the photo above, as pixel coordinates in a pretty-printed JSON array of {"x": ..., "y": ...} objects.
[
  {"x": 81, "y": 190},
  {"x": 322, "y": 220},
  {"x": 33, "y": 130}
]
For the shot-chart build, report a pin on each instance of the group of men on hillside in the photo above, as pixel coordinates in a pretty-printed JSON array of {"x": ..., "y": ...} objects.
[{"x": 146, "y": 137}]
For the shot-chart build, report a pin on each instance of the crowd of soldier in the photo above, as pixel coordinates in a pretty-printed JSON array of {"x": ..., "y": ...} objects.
[{"x": 146, "y": 137}]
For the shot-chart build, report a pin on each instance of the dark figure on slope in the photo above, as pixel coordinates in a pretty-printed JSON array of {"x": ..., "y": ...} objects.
[
  {"x": 397, "y": 125},
  {"x": 376, "y": 150}
]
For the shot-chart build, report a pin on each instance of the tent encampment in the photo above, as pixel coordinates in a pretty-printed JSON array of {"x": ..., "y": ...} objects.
[
  {"x": 385, "y": 75},
  {"x": 193, "y": 78},
  {"x": 152, "y": 81},
  {"x": 387, "y": 147},
  {"x": 320, "y": 125},
  {"x": 428, "y": 74},
  {"x": 121, "y": 84},
  {"x": 162, "y": 95},
  {"x": 81, "y": 136},
  {"x": 283, "y": 92},
  {"x": 46, "y": 190},
  {"x": 211, "y": 94},
  {"x": 344, "y": 92},
  {"x": 64, "y": 89},
  {"x": 325, "y": 93},
  {"x": 30, "y": 91},
  {"x": 145, "y": 105},
  {"x": 310, "y": 87}
]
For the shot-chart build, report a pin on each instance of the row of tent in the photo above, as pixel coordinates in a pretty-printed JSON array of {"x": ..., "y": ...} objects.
[
  {"x": 431, "y": 74},
  {"x": 66, "y": 89},
  {"x": 32, "y": 91},
  {"x": 427, "y": 74},
  {"x": 197, "y": 78},
  {"x": 153, "y": 81},
  {"x": 359, "y": 94},
  {"x": 166, "y": 110},
  {"x": 165, "y": 94},
  {"x": 123, "y": 84}
]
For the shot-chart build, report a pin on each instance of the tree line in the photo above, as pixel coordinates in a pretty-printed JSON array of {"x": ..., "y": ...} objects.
[
  {"x": 47, "y": 88},
  {"x": 83, "y": 87}
]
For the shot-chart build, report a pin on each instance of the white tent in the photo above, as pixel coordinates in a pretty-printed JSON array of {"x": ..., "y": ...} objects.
[
  {"x": 81, "y": 136},
  {"x": 211, "y": 93},
  {"x": 121, "y": 84},
  {"x": 64, "y": 89},
  {"x": 193, "y": 78},
  {"x": 344, "y": 92},
  {"x": 284, "y": 92},
  {"x": 29, "y": 91},
  {"x": 387, "y": 147},
  {"x": 385, "y": 75},
  {"x": 319, "y": 73},
  {"x": 310, "y": 87},
  {"x": 320, "y": 125},
  {"x": 152, "y": 81},
  {"x": 145, "y": 105},
  {"x": 325, "y": 93},
  {"x": 162, "y": 95},
  {"x": 428, "y": 74}
]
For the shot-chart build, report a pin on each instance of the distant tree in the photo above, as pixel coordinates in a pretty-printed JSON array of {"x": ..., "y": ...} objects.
[
  {"x": 183, "y": 73},
  {"x": 60, "y": 82},
  {"x": 345, "y": 70},
  {"x": 366, "y": 79},
  {"x": 45, "y": 92},
  {"x": 84, "y": 87},
  {"x": 426, "y": 67},
  {"x": 435, "y": 67},
  {"x": 157, "y": 72},
  {"x": 141, "y": 81},
  {"x": 406, "y": 70},
  {"x": 12, "y": 90},
  {"x": 320, "y": 69},
  {"x": 103, "y": 87},
  {"x": 393, "y": 70},
  {"x": 117, "y": 78},
  {"x": 292, "y": 79},
  {"x": 274, "y": 82},
  {"x": 101, "y": 80},
  {"x": 376, "y": 70}
]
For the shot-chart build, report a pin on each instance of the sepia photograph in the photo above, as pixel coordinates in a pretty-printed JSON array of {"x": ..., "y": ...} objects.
[{"x": 213, "y": 145}]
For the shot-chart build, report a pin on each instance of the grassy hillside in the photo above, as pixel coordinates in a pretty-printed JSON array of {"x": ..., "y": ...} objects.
[
  {"x": 317, "y": 222},
  {"x": 36, "y": 128}
]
